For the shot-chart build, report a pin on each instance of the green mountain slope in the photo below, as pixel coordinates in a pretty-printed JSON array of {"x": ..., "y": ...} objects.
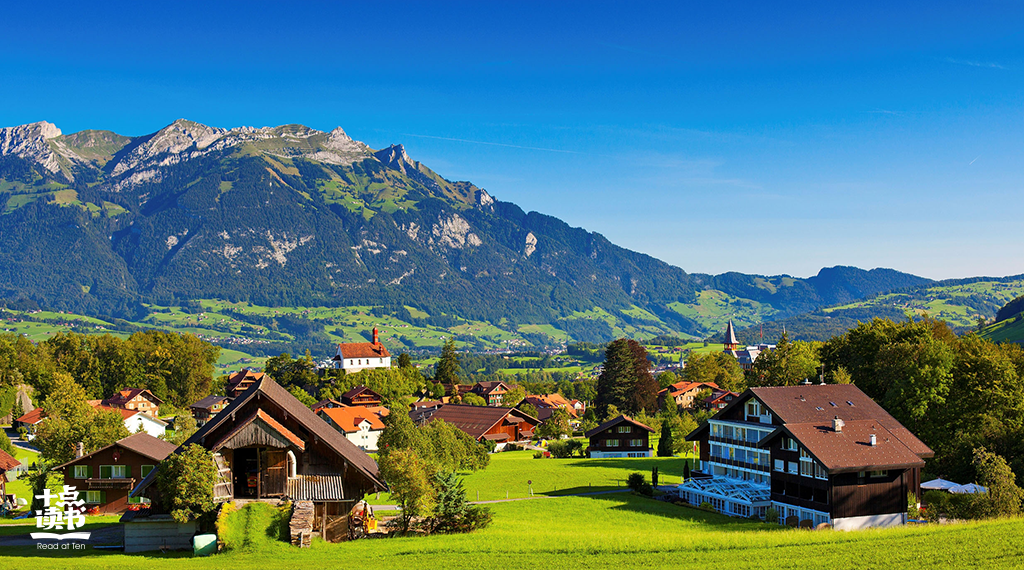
[{"x": 101, "y": 224}]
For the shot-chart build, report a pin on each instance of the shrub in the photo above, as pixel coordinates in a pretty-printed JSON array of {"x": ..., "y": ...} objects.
[
  {"x": 560, "y": 449},
  {"x": 635, "y": 481},
  {"x": 706, "y": 506},
  {"x": 912, "y": 509},
  {"x": 771, "y": 515},
  {"x": 452, "y": 513},
  {"x": 538, "y": 454},
  {"x": 185, "y": 481}
]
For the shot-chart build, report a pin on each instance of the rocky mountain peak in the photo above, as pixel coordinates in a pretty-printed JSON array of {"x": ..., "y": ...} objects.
[
  {"x": 394, "y": 156},
  {"x": 30, "y": 142}
]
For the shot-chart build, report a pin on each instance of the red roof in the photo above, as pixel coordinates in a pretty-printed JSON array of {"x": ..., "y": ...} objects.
[
  {"x": 683, "y": 387},
  {"x": 125, "y": 396},
  {"x": 32, "y": 418},
  {"x": 245, "y": 374},
  {"x": 348, "y": 419},
  {"x": 7, "y": 462},
  {"x": 363, "y": 350}
]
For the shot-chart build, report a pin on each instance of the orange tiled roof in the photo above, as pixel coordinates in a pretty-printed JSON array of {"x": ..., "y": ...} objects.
[
  {"x": 245, "y": 374},
  {"x": 363, "y": 350},
  {"x": 348, "y": 419},
  {"x": 32, "y": 418}
]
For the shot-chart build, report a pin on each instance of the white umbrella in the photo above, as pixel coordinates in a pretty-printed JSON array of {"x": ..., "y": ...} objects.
[
  {"x": 968, "y": 489},
  {"x": 939, "y": 485}
]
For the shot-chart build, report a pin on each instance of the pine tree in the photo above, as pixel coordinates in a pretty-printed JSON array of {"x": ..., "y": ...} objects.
[
  {"x": 665, "y": 442},
  {"x": 447, "y": 371}
]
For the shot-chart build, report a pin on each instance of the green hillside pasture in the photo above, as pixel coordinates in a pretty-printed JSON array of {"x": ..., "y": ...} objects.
[
  {"x": 958, "y": 305},
  {"x": 1010, "y": 330},
  {"x": 714, "y": 309},
  {"x": 509, "y": 472},
  {"x": 611, "y": 531}
]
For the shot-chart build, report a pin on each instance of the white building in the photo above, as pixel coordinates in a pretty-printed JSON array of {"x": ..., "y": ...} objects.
[
  {"x": 355, "y": 356},
  {"x": 360, "y": 425}
]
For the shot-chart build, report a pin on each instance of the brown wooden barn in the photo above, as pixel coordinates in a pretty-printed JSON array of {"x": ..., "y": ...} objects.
[{"x": 500, "y": 425}]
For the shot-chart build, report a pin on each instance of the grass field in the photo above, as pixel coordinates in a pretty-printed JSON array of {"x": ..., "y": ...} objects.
[
  {"x": 510, "y": 471},
  {"x": 611, "y": 531}
]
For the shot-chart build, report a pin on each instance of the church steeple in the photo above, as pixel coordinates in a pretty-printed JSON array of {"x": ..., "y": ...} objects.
[{"x": 730, "y": 338}]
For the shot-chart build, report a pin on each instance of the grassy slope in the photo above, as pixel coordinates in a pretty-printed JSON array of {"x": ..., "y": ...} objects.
[
  {"x": 1010, "y": 330},
  {"x": 610, "y": 531}
]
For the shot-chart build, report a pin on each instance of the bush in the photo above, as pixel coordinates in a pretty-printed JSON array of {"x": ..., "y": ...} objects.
[
  {"x": 771, "y": 515},
  {"x": 560, "y": 449},
  {"x": 706, "y": 506},
  {"x": 186, "y": 481},
  {"x": 538, "y": 454},
  {"x": 638, "y": 484}
]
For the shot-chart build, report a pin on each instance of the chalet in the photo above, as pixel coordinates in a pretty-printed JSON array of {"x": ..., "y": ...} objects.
[
  {"x": 818, "y": 454},
  {"x": 492, "y": 392},
  {"x": 327, "y": 403},
  {"x": 579, "y": 406},
  {"x": 241, "y": 381},
  {"x": 683, "y": 393},
  {"x": 482, "y": 423},
  {"x": 360, "y": 425},
  {"x": 208, "y": 407},
  {"x": 453, "y": 391},
  {"x": 138, "y": 399},
  {"x": 546, "y": 404},
  {"x": 267, "y": 444},
  {"x": 620, "y": 437},
  {"x": 105, "y": 477},
  {"x": 355, "y": 356},
  {"x": 361, "y": 396},
  {"x": 718, "y": 399},
  {"x": 30, "y": 420},
  {"x": 7, "y": 463}
]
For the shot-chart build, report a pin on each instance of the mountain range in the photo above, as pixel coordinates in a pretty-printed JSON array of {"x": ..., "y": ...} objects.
[{"x": 99, "y": 223}]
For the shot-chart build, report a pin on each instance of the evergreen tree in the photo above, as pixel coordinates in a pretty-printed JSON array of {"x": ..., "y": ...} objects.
[
  {"x": 626, "y": 381},
  {"x": 665, "y": 442},
  {"x": 447, "y": 370}
]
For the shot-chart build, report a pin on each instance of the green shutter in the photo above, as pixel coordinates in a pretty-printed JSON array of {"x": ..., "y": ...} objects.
[
  {"x": 103, "y": 497},
  {"x": 88, "y": 471},
  {"x": 106, "y": 472},
  {"x": 127, "y": 471},
  {"x": 146, "y": 469}
]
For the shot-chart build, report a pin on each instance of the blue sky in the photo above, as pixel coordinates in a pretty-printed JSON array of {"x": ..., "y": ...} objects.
[{"x": 750, "y": 137}]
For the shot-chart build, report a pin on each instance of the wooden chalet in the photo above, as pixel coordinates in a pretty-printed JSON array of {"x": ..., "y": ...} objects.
[
  {"x": 683, "y": 393},
  {"x": 327, "y": 403},
  {"x": 267, "y": 444},
  {"x": 719, "y": 399},
  {"x": 492, "y": 392},
  {"x": 620, "y": 437},
  {"x": 361, "y": 396},
  {"x": 208, "y": 407},
  {"x": 7, "y": 463},
  {"x": 241, "y": 381},
  {"x": 105, "y": 477},
  {"x": 30, "y": 420},
  {"x": 482, "y": 423},
  {"x": 819, "y": 454},
  {"x": 137, "y": 399}
]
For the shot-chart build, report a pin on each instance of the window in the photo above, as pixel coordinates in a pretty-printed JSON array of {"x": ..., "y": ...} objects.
[
  {"x": 780, "y": 465},
  {"x": 611, "y": 443},
  {"x": 82, "y": 471},
  {"x": 878, "y": 473},
  {"x": 93, "y": 497},
  {"x": 819, "y": 471},
  {"x": 790, "y": 444},
  {"x": 146, "y": 469},
  {"x": 623, "y": 429},
  {"x": 792, "y": 467},
  {"x": 807, "y": 468},
  {"x": 804, "y": 456},
  {"x": 636, "y": 443},
  {"x": 113, "y": 471}
]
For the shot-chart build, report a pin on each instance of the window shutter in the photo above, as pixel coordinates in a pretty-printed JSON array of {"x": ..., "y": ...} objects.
[
  {"x": 88, "y": 471},
  {"x": 105, "y": 472},
  {"x": 103, "y": 497}
]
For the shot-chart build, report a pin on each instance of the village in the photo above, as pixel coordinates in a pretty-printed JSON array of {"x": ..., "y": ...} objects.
[{"x": 813, "y": 455}]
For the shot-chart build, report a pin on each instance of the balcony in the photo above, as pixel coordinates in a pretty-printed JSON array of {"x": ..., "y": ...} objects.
[{"x": 123, "y": 483}]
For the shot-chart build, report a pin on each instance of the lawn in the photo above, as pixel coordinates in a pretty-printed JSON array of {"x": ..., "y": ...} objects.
[
  {"x": 610, "y": 531},
  {"x": 510, "y": 471}
]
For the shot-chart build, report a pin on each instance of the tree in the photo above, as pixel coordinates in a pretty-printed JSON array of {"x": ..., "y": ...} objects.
[
  {"x": 5, "y": 443},
  {"x": 626, "y": 381},
  {"x": 185, "y": 481},
  {"x": 555, "y": 426},
  {"x": 528, "y": 409},
  {"x": 788, "y": 364},
  {"x": 1004, "y": 497},
  {"x": 665, "y": 442},
  {"x": 409, "y": 480},
  {"x": 513, "y": 396},
  {"x": 666, "y": 379},
  {"x": 473, "y": 399},
  {"x": 447, "y": 369},
  {"x": 405, "y": 361},
  {"x": 184, "y": 427},
  {"x": 70, "y": 420},
  {"x": 716, "y": 368},
  {"x": 19, "y": 408},
  {"x": 302, "y": 396}
]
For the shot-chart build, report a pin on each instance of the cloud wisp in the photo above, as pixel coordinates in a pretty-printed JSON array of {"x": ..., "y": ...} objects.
[
  {"x": 972, "y": 63},
  {"x": 564, "y": 151}
]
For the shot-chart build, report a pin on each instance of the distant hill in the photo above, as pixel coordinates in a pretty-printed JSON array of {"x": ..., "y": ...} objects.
[{"x": 102, "y": 224}]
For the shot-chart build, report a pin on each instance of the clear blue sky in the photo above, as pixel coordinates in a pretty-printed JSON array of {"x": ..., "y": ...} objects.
[{"x": 750, "y": 137}]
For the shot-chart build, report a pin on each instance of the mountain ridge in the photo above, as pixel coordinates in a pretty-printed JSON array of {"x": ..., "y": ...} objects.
[{"x": 293, "y": 215}]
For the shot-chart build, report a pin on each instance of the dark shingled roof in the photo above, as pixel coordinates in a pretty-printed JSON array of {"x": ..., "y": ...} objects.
[
  {"x": 614, "y": 422},
  {"x": 295, "y": 410},
  {"x": 208, "y": 401},
  {"x": 851, "y": 449},
  {"x": 474, "y": 420},
  {"x": 360, "y": 390},
  {"x": 141, "y": 443}
]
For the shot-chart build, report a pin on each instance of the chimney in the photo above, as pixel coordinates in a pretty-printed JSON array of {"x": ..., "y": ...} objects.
[
  {"x": 79, "y": 450},
  {"x": 874, "y": 440},
  {"x": 837, "y": 425},
  {"x": 375, "y": 339}
]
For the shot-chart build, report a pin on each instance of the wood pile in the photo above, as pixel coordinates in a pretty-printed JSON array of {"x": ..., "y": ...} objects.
[{"x": 301, "y": 524}]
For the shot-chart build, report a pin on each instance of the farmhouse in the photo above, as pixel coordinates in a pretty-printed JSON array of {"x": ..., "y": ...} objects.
[
  {"x": 241, "y": 381},
  {"x": 361, "y": 396},
  {"x": 7, "y": 463},
  {"x": 208, "y": 407},
  {"x": 360, "y": 425},
  {"x": 138, "y": 399},
  {"x": 104, "y": 477},
  {"x": 547, "y": 403},
  {"x": 267, "y": 444},
  {"x": 683, "y": 393},
  {"x": 620, "y": 437},
  {"x": 492, "y": 392},
  {"x": 816, "y": 453},
  {"x": 355, "y": 356},
  {"x": 482, "y": 423}
]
